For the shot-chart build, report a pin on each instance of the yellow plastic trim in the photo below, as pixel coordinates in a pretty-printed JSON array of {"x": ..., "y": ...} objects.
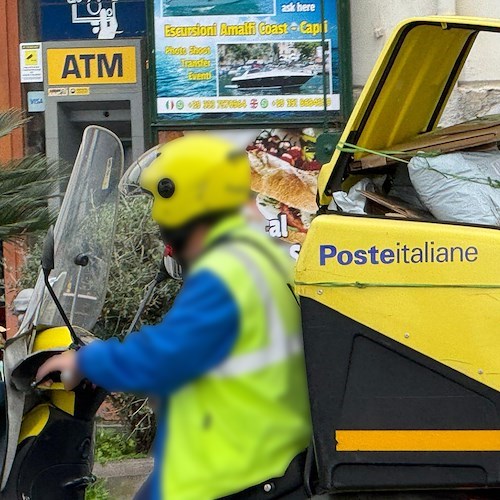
[
  {"x": 56, "y": 386},
  {"x": 64, "y": 400},
  {"x": 34, "y": 422},
  {"x": 418, "y": 440},
  {"x": 52, "y": 338}
]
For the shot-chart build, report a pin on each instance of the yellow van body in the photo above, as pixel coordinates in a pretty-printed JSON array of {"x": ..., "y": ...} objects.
[{"x": 401, "y": 318}]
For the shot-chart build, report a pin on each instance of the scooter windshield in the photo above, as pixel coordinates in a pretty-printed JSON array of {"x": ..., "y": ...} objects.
[{"x": 84, "y": 232}]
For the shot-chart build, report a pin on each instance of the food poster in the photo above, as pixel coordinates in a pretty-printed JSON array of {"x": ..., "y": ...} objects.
[
  {"x": 284, "y": 173},
  {"x": 257, "y": 59}
]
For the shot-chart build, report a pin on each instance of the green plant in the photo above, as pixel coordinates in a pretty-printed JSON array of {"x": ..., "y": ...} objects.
[
  {"x": 26, "y": 184},
  {"x": 136, "y": 254},
  {"x": 97, "y": 491},
  {"x": 114, "y": 445}
]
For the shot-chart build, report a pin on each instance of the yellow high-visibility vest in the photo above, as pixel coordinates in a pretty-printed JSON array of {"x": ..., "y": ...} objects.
[{"x": 244, "y": 421}]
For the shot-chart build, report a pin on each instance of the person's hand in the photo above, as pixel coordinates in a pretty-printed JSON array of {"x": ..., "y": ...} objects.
[{"x": 64, "y": 363}]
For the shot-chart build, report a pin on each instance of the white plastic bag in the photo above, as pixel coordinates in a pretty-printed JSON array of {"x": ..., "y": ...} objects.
[
  {"x": 459, "y": 187},
  {"x": 354, "y": 202}
]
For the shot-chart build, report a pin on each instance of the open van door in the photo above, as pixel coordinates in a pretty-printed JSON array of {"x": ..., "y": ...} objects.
[{"x": 401, "y": 316}]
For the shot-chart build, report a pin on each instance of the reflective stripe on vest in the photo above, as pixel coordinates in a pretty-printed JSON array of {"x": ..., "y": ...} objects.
[{"x": 281, "y": 345}]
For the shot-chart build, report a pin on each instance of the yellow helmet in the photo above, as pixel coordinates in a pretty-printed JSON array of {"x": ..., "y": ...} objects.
[{"x": 196, "y": 175}]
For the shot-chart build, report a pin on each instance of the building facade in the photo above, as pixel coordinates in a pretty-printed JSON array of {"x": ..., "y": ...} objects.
[
  {"x": 478, "y": 89},
  {"x": 106, "y": 62}
]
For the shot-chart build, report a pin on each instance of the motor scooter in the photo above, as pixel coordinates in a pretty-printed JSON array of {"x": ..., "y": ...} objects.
[{"x": 47, "y": 433}]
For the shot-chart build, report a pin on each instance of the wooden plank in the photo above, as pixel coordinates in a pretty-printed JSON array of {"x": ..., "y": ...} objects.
[
  {"x": 483, "y": 132},
  {"x": 396, "y": 205}
]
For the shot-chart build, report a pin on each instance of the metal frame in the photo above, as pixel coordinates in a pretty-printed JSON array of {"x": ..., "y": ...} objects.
[
  {"x": 134, "y": 93},
  {"x": 336, "y": 122}
]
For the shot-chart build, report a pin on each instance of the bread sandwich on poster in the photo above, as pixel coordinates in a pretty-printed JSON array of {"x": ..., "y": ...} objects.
[{"x": 284, "y": 176}]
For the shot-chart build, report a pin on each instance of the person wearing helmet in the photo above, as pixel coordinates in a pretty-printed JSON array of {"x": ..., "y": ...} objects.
[{"x": 226, "y": 361}]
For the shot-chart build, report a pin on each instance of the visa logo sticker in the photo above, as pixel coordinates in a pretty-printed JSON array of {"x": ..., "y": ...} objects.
[
  {"x": 36, "y": 101},
  {"x": 400, "y": 253}
]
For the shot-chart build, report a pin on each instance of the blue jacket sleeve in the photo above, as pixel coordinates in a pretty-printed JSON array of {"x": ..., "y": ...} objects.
[{"x": 193, "y": 337}]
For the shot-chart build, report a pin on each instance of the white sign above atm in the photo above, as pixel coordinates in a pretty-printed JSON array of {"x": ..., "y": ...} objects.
[{"x": 91, "y": 66}]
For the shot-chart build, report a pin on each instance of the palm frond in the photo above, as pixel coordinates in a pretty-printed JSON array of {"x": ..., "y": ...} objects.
[
  {"x": 26, "y": 186},
  {"x": 40, "y": 221},
  {"x": 30, "y": 170},
  {"x": 10, "y": 120}
]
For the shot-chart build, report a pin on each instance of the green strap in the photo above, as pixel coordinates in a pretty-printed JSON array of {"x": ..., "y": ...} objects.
[
  {"x": 347, "y": 147},
  {"x": 358, "y": 284}
]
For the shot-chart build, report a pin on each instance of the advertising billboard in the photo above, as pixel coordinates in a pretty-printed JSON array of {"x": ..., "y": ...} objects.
[
  {"x": 258, "y": 60},
  {"x": 284, "y": 176}
]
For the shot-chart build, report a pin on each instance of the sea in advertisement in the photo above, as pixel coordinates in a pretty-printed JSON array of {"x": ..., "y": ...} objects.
[{"x": 216, "y": 8}]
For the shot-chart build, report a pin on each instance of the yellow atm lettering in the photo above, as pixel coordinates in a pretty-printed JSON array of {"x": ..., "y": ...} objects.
[
  {"x": 108, "y": 65},
  {"x": 104, "y": 67}
]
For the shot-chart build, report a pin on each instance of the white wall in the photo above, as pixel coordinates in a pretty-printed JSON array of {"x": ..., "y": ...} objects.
[
  {"x": 484, "y": 61},
  {"x": 478, "y": 90},
  {"x": 372, "y": 22}
]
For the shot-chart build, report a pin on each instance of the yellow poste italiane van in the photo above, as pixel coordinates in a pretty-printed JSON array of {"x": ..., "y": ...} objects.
[{"x": 401, "y": 313}]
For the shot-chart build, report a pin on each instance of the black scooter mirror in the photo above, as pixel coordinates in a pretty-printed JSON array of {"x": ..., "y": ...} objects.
[
  {"x": 47, "y": 260},
  {"x": 171, "y": 267},
  {"x": 48, "y": 264}
]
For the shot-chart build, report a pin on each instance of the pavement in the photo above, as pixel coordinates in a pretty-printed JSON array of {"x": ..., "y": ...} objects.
[{"x": 125, "y": 477}]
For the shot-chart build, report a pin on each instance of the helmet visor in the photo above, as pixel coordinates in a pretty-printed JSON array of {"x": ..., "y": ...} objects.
[{"x": 130, "y": 182}]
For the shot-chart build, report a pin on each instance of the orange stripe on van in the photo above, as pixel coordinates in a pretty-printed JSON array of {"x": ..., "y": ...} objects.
[{"x": 418, "y": 440}]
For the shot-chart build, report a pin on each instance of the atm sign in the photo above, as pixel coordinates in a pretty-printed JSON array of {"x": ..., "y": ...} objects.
[{"x": 93, "y": 65}]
